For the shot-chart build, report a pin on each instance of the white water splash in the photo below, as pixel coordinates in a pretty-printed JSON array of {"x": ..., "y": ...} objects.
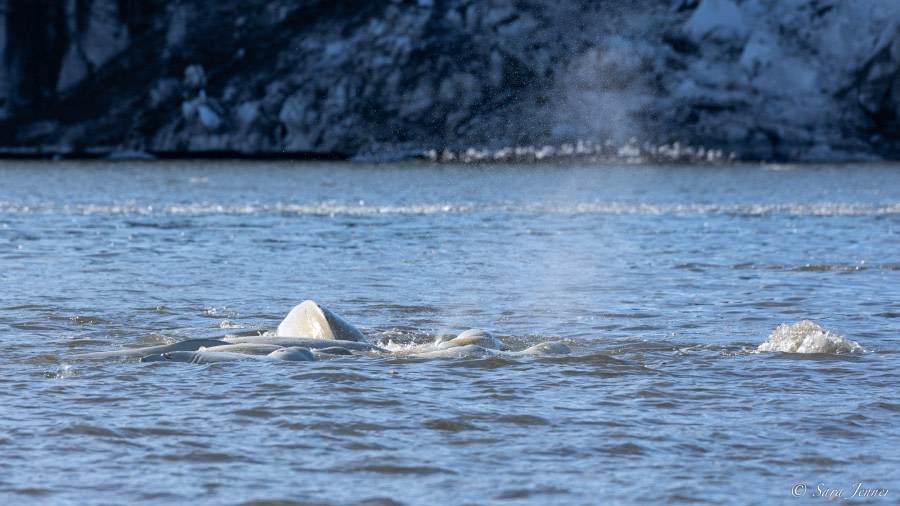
[
  {"x": 65, "y": 371},
  {"x": 807, "y": 337},
  {"x": 228, "y": 324}
]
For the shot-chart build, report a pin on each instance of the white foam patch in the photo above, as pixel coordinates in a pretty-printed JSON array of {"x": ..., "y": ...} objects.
[
  {"x": 807, "y": 337},
  {"x": 65, "y": 371},
  {"x": 404, "y": 349}
]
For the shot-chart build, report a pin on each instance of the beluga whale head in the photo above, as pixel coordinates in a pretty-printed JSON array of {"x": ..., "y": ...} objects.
[
  {"x": 293, "y": 354},
  {"x": 309, "y": 319}
]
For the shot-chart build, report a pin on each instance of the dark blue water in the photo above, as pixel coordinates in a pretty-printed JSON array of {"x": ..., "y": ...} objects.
[{"x": 663, "y": 280}]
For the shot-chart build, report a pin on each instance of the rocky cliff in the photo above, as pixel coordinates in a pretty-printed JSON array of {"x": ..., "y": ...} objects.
[{"x": 764, "y": 79}]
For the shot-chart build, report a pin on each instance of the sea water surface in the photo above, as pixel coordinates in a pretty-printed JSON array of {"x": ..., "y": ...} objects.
[{"x": 663, "y": 280}]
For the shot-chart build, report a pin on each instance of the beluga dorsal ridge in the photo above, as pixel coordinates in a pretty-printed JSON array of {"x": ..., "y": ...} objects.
[
  {"x": 309, "y": 319},
  {"x": 477, "y": 337}
]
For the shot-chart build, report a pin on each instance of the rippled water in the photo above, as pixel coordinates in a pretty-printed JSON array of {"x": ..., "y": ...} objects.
[{"x": 663, "y": 280}]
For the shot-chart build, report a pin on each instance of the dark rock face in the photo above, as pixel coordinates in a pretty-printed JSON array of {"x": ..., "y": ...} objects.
[
  {"x": 35, "y": 42},
  {"x": 769, "y": 79}
]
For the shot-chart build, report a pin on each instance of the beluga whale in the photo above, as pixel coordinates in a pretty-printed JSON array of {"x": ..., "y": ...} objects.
[
  {"x": 475, "y": 337},
  {"x": 290, "y": 354},
  {"x": 310, "y": 319},
  {"x": 313, "y": 326}
]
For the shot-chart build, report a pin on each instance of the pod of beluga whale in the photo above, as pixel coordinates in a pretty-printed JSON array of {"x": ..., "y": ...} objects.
[{"x": 312, "y": 332}]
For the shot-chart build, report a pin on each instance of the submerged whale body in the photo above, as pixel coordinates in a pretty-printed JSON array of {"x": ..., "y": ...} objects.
[
  {"x": 548, "y": 348},
  {"x": 292, "y": 354},
  {"x": 478, "y": 351},
  {"x": 306, "y": 342},
  {"x": 188, "y": 345},
  {"x": 476, "y": 337},
  {"x": 245, "y": 348},
  {"x": 309, "y": 319},
  {"x": 334, "y": 350}
]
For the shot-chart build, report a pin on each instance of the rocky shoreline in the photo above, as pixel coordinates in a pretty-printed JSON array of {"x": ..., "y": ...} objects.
[
  {"x": 609, "y": 152},
  {"x": 452, "y": 80},
  {"x": 628, "y": 153}
]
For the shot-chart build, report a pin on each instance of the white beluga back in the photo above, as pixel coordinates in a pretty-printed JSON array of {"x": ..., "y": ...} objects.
[
  {"x": 476, "y": 337},
  {"x": 309, "y": 319},
  {"x": 245, "y": 348},
  {"x": 548, "y": 348}
]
